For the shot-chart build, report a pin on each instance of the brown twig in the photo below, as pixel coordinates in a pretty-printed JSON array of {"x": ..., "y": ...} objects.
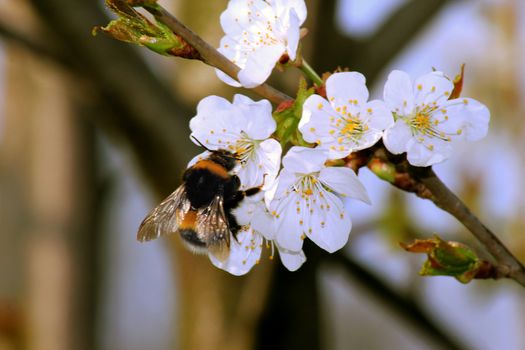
[
  {"x": 210, "y": 55},
  {"x": 443, "y": 197}
]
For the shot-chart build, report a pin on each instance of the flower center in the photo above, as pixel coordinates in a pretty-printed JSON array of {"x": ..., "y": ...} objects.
[
  {"x": 244, "y": 149},
  {"x": 422, "y": 122}
]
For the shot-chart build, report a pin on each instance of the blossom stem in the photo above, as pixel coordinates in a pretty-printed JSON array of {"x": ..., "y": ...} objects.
[
  {"x": 210, "y": 55},
  {"x": 310, "y": 72}
]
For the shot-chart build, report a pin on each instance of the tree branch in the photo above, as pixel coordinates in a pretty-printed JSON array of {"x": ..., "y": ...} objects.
[{"x": 508, "y": 265}]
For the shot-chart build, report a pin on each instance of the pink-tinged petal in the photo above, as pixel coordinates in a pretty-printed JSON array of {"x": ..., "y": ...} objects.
[
  {"x": 432, "y": 87},
  {"x": 260, "y": 123},
  {"x": 377, "y": 115},
  {"x": 330, "y": 224},
  {"x": 304, "y": 160},
  {"x": 397, "y": 137},
  {"x": 293, "y": 35},
  {"x": 289, "y": 231},
  {"x": 428, "y": 152},
  {"x": 315, "y": 121},
  {"x": 245, "y": 252},
  {"x": 260, "y": 64},
  {"x": 290, "y": 259},
  {"x": 398, "y": 93},
  {"x": 345, "y": 182},
  {"x": 467, "y": 119},
  {"x": 344, "y": 88}
]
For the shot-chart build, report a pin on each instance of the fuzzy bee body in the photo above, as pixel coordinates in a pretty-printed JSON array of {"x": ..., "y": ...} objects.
[{"x": 200, "y": 209}]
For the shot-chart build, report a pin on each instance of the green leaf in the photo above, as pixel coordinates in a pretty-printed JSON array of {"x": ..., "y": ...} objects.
[
  {"x": 288, "y": 115},
  {"x": 446, "y": 258}
]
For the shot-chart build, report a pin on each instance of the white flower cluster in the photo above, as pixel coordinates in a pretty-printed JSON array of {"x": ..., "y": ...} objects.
[{"x": 304, "y": 199}]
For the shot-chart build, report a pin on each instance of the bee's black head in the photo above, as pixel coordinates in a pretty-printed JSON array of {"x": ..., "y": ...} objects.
[{"x": 225, "y": 158}]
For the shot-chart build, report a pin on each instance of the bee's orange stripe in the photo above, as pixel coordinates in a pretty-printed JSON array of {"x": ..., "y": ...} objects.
[
  {"x": 189, "y": 220},
  {"x": 212, "y": 167}
]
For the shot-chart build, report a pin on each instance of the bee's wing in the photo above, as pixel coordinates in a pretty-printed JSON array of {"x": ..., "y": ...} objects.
[
  {"x": 213, "y": 228},
  {"x": 166, "y": 217}
]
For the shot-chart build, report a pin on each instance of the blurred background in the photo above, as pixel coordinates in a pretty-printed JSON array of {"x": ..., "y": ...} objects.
[{"x": 94, "y": 132}]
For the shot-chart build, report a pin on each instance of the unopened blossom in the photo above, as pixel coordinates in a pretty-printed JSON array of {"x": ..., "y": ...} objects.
[
  {"x": 243, "y": 127},
  {"x": 427, "y": 123},
  {"x": 257, "y": 35},
  {"x": 347, "y": 121},
  {"x": 306, "y": 200},
  {"x": 256, "y": 235}
]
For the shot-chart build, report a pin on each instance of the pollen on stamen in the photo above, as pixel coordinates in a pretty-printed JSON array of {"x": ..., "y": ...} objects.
[
  {"x": 244, "y": 262},
  {"x": 430, "y": 147},
  {"x": 447, "y": 93},
  {"x": 459, "y": 131},
  {"x": 433, "y": 89},
  {"x": 332, "y": 99},
  {"x": 465, "y": 101},
  {"x": 420, "y": 87},
  {"x": 331, "y": 132},
  {"x": 312, "y": 129},
  {"x": 320, "y": 106},
  {"x": 303, "y": 236},
  {"x": 212, "y": 132},
  {"x": 301, "y": 222},
  {"x": 369, "y": 110}
]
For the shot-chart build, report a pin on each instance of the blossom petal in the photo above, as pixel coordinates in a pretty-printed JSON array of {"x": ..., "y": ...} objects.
[
  {"x": 397, "y": 137},
  {"x": 346, "y": 86},
  {"x": 292, "y": 35},
  {"x": 330, "y": 225},
  {"x": 467, "y": 118},
  {"x": 432, "y": 87},
  {"x": 304, "y": 160},
  {"x": 281, "y": 186},
  {"x": 377, "y": 115},
  {"x": 245, "y": 252},
  {"x": 398, "y": 93},
  {"x": 260, "y": 64},
  {"x": 290, "y": 259},
  {"x": 428, "y": 151},
  {"x": 289, "y": 233},
  {"x": 315, "y": 121},
  {"x": 344, "y": 181},
  {"x": 260, "y": 123},
  {"x": 283, "y": 7}
]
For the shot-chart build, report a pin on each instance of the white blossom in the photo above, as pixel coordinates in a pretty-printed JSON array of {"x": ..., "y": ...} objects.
[
  {"x": 347, "y": 122},
  {"x": 257, "y": 233},
  {"x": 305, "y": 200},
  {"x": 427, "y": 123},
  {"x": 243, "y": 127},
  {"x": 257, "y": 34}
]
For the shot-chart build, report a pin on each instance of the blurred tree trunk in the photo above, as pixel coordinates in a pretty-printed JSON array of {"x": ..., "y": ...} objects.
[{"x": 48, "y": 154}]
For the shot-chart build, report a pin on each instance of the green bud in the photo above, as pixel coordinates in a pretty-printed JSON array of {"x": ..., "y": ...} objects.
[
  {"x": 133, "y": 27},
  {"x": 446, "y": 258}
]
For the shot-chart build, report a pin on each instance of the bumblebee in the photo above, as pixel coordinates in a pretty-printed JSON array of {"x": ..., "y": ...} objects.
[{"x": 200, "y": 209}]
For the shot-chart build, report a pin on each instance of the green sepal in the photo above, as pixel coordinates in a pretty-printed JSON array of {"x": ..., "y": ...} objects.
[
  {"x": 446, "y": 258},
  {"x": 288, "y": 115}
]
